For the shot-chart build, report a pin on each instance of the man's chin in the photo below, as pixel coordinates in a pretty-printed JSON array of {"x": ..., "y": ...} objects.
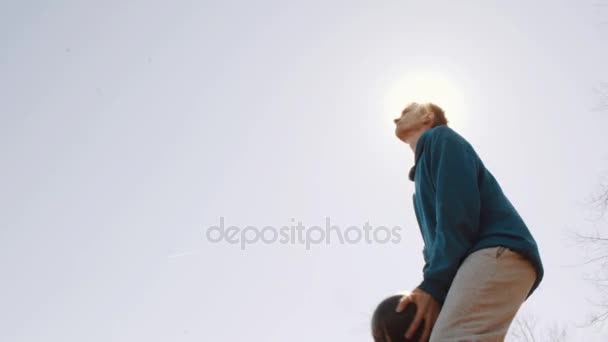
[{"x": 400, "y": 135}]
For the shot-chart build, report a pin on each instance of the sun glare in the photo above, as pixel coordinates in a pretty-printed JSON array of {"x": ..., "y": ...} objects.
[{"x": 427, "y": 86}]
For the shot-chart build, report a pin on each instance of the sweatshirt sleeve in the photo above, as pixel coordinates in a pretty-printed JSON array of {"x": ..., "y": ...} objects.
[{"x": 453, "y": 168}]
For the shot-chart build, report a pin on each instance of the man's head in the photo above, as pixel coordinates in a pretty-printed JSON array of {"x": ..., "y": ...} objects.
[
  {"x": 390, "y": 326},
  {"x": 417, "y": 118}
]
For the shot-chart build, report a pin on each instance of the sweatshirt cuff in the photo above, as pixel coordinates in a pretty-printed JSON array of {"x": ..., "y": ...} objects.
[{"x": 435, "y": 289}]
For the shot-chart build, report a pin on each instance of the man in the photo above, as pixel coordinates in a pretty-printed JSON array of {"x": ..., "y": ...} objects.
[{"x": 481, "y": 261}]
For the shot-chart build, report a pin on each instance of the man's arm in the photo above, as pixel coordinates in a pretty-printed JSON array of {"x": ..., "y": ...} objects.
[{"x": 453, "y": 169}]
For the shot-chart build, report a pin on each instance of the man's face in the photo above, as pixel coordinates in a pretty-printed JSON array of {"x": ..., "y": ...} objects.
[{"x": 411, "y": 119}]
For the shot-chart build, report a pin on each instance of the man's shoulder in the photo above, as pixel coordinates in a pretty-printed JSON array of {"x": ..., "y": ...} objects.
[
  {"x": 444, "y": 133},
  {"x": 443, "y": 138}
]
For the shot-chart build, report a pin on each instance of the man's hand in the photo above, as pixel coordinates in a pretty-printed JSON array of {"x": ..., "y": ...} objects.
[{"x": 427, "y": 309}]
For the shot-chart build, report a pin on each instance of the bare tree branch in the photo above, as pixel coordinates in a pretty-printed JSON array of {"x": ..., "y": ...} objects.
[{"x": 524, "y": 329}]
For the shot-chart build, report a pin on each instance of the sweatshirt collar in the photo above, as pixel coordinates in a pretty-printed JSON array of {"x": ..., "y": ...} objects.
[{"x": 418, "y": 153}]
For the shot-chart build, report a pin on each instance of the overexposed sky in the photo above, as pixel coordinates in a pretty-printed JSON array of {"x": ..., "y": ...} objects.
[{"x": 130, "y": 127}]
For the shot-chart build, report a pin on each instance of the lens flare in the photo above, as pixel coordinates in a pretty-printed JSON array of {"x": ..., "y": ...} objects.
[{"x": 427, "y": 86}]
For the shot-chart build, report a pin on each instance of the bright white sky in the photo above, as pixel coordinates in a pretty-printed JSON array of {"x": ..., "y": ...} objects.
[{"x": 129, "y": 127}]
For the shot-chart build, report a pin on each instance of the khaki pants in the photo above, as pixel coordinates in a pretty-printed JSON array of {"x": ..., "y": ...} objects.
[{"x": 488, "y": 289}]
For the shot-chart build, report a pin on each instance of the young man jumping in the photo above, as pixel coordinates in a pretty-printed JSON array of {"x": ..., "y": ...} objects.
[{"x": 481, "y": 261}]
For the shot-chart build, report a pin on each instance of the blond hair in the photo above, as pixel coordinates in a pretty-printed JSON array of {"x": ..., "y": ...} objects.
[{"x": 440, "y": 118}]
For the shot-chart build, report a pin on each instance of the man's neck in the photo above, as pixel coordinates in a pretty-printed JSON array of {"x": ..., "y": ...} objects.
[{"x": 414, "y": 138}]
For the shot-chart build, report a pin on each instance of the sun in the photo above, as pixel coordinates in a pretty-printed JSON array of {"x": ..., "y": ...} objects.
[{"x": 427, "y": 86}]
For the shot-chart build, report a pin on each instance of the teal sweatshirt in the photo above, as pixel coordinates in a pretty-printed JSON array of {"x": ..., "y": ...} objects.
[{"x": 460, "y": 209}]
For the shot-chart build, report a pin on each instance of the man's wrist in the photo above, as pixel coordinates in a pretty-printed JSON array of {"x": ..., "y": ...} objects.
[{"x": 434, "y": 289}]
